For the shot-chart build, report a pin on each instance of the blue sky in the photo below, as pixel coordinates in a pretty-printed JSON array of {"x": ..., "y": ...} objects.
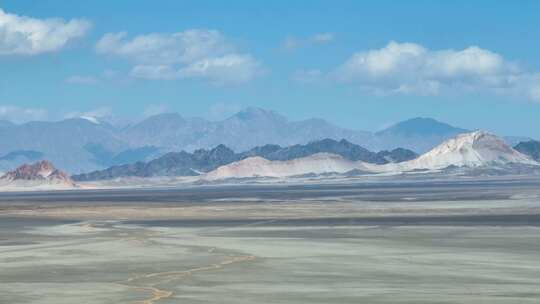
[{"x": 359, "y": 64}]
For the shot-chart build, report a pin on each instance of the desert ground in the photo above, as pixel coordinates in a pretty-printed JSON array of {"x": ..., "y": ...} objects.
[{"x": 446, "y": 241}]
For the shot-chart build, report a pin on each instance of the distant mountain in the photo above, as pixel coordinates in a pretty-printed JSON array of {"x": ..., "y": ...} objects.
[
  {"x": 40, "y": 174},
  {"x": 530, "y": 148},
  {"x": 169, "y": 131},
  {"x": 106, "y": 158},
  {"x": 471, "y": 150},
  {"x": 170, "y": 164},
  {"x": 201, "y": 161},
  {"x": 397, "y": 155},
  {"x": 28, "y": 154},
  {"x": 515, "y": 140},
  {"x": 16, "y": 158},
  {"x": 417, "y": 134},
  {"x": 246, "y": 129},
  {"x": 90, "y": 144},
  {"x": 343, "y": 148},
  {"x": 61, "y": 142},
  {"x": 421, "y": 127}
]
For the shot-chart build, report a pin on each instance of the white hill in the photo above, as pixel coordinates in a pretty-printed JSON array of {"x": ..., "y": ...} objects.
[
  {"x": 475, "y": 149},
  {"x": 258, "y": 167}
]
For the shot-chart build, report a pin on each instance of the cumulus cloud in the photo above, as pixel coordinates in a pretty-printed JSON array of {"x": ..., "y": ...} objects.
[
  {"x": 158, "y": 48},
  {"x": 20, "y": 115},
  {"x": 292, "y": 43},
  {"x": 203, "y": 54},
  {"x": 409, "y": 68},
  {"x": 21, "y": 35}
]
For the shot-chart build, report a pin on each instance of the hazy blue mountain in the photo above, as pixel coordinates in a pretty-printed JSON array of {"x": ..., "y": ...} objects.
[
  {"x": 134, "y": 155},
  {"x": 247, "y": 129},
  {"x": 27, "y": 154},
  {"x": 515, "y": 140},
  {"x": 188, "y": 164},
  {"x": 107, "y": 158},
  {"x": 417, "y": 134},
  {"x": 83, "y": 145},
  {"x": 17, "y": 158},
  {"x": 61, "y": 142},
  {"x": 169, "y": 131},
  {"x": 421, "y": 126},
  {"x": 530, "y": 148},
  {"x": 5, "y": 123}
]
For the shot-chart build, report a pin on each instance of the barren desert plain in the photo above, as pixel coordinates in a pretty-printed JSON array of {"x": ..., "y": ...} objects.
[{"x": 445, "y": 241}]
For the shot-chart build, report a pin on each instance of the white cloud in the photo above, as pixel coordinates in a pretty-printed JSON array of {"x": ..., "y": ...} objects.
[
  {"x": 20, "y": 115},
  {"x": 159, "y": 48},
  {"x": 199, "y": 54},
  {"x": 83, "y": 80},
  {"x": 229, "y": 69},
  {"x": 409, "y": 68},
  {"x": 292, "y": 43},
  {"x": 20, "y": 35}
]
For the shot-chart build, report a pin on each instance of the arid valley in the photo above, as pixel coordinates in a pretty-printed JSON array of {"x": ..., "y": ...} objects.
[{"x": 446, "y": 241}]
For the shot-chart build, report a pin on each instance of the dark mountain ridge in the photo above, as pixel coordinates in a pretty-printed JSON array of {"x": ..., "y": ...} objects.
[
  {"x": 189, "y": 164},
  {"x": 530, "y": 148}
]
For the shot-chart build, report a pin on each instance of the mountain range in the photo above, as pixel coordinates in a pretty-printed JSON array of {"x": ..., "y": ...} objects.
[
  {"x": 87, "y": 144},
  {"x": 202, "y": 161},
  {"x": 470, "y": 153},
  {"x": 466, "y": 151}
]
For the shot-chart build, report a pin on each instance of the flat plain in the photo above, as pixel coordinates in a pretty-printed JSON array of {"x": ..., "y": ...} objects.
[{"x": 408, "y": 241}]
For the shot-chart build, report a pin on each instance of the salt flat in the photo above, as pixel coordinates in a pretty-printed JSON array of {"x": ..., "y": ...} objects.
[{"x": 450, "y": 242}]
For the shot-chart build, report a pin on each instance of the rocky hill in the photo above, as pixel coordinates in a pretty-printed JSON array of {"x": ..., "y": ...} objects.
[{"x": 41, "y": 174}]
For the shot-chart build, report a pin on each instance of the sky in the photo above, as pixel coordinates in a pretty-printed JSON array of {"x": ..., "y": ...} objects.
[{"x": 359, "y": 64}]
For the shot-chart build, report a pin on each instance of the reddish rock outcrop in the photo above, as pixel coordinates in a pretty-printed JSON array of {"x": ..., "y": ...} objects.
[{"x": 40, "y": 171}]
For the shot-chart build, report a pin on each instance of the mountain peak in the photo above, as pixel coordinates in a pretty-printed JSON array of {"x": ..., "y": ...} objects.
[
  {"x": 254, "y": 113},
  {"x": 167, "y": 116},
  {"x": 421, "y": 126}
]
